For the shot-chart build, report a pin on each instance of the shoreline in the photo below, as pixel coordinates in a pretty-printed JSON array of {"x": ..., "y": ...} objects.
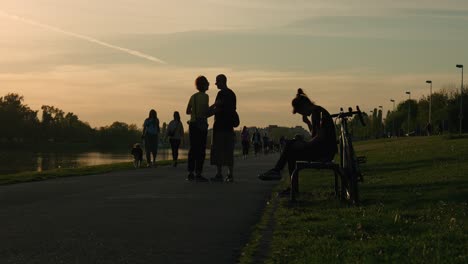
[{"x": 30, "y": 176}]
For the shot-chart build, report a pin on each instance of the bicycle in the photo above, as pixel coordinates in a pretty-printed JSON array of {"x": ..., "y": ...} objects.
[
  {"x": 349, "y": 163},
  {"x": 347, "y": 171}
]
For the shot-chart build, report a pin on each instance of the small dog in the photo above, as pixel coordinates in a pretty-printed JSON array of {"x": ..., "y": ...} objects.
[{"x": 137, "y": 153}]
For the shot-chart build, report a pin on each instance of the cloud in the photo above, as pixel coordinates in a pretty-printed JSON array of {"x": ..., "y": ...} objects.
[{"x": 83, "y": 37}]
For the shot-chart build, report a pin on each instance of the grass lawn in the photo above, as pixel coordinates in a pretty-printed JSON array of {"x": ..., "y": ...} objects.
[
  {"x": 68, "y": 172},
  {"x": 414, "y": 209}
]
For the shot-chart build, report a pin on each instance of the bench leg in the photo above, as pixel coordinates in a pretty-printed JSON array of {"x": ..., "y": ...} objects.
[
  {"x": 337, "y": 194},
  {"x": 294, "y": 184}
]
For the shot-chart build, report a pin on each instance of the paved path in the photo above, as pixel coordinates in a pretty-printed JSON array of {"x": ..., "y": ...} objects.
[{"x": 138, "y": 216}]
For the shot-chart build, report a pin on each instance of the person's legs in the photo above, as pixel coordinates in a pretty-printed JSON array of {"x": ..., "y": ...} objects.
[
  {"x": 290, "y": 147},
  {"x": 192, "y": 149},
  {"x": 201, "y": 151},
  {"x": 148, "y": 150},
  {"x": 246, "y": 146},
  {"x": 175, "y": 153},
  {"x": 174, "y": 148},
  {"x": 172, "y": 143},
  {"x": 155, "y": 148},
  {"x": 295, "y": 150},
  {"x": 230, "y": 142},
  {"x": 216, "y": 155}
]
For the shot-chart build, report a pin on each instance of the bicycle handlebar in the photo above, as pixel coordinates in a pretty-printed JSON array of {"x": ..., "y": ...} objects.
[{"x": 350, "y": 113}]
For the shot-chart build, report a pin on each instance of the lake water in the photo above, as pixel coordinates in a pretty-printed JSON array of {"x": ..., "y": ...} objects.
[{"x": 19, "y": 161}]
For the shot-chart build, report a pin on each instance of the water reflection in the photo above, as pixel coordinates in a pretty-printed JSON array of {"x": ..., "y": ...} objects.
[{"x": 19, "y": 161}]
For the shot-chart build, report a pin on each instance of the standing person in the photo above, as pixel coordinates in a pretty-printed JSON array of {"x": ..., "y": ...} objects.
[
  {"x": 282, "y": 143},
  {"x": 322, "y": 147},
  {"x": 197, "y": 108},
  {"x": 265, "y": 143},
  {"x": 151, "y": 136},
  {"x": 257, "y": 141},
  {"x": 175, "y": 133},
  {"x": 245, "y": 137},
  {"x": 224, "y": 109}
]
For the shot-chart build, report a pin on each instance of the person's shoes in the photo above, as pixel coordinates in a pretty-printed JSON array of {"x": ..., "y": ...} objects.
[
  {"x": 217, "y": 178},
  {"x": 174, "y": 164},
  {"x": 229, "y": 178},
  {"x": 270, "y": 175},
  {"x": 200, "y": 178},
  {"x": 148, "y": 165},
  {"x": 190, "y": 177}
]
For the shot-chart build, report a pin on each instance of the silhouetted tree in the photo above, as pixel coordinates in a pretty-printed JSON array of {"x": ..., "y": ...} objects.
[{"x": 17, "y": 120}]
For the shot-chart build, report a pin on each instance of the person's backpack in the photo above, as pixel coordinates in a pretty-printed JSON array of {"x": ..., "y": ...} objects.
[
  {"x": 171, "y": 132},
  {"x": 235, "y": 119}
]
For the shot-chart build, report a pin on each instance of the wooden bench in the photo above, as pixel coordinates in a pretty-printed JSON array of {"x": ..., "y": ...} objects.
[{"x": 301, "y": 165}]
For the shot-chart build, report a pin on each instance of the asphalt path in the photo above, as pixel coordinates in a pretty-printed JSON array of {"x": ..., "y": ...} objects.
[{"x": 150, "y": 215}]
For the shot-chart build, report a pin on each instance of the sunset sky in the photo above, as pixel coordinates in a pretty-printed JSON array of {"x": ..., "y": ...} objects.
[{"x": 75, "y": 54}]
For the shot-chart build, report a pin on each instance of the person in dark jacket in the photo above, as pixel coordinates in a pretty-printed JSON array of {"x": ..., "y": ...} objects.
[
  {"x": 224, "y": 109},
  {"x": 175, "y": 133},
  {"x": 151, "y": 136},
  {"x": 322, "y": 146}
]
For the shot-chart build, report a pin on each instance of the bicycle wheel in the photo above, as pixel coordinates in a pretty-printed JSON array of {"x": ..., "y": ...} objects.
[
  {"x": 353, "y": 173},
  {"x": 346, "y": 193},
  {"x": 344, "y": 186}
]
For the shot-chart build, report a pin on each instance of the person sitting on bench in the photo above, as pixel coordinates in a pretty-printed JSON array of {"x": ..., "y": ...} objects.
[{"x": 322, "y": 147}]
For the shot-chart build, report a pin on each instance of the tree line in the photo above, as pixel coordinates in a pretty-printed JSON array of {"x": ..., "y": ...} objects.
[
  {"x": 21, "y": 125},
  {"x": 413, "y": 116}
]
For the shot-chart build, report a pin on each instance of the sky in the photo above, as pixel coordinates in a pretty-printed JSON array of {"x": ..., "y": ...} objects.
[{"x": 114, "y": 60}]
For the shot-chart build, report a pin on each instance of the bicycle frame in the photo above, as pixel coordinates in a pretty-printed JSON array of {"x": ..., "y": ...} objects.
[{"x": 348, "y": 161}]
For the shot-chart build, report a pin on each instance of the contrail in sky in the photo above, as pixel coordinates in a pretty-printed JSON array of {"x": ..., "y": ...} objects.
[{"x": 83, "y": 37}]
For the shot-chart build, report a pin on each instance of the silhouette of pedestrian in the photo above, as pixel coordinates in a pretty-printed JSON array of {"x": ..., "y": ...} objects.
[
  {"x": 197, "y": 108},
  {"x": 224, "y": 109},
  {"x": 245, "y": 138},
  {"x": 257, "y": 141},
  {"x": 151, "y": 136},
  {"x": 175, "y": 133}
]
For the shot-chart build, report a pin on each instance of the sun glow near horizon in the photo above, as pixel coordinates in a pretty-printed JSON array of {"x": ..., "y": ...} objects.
[{"x": 341, "y": 54}]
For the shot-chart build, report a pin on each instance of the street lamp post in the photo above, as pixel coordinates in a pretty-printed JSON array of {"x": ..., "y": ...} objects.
[
  {"x": 381, "y": 121},
  {"x": 409, "y": 109},
  {"x": 393, "y": 119},
  {"x": 430, "y": 102},
  {"x": 461, "y": 97}
]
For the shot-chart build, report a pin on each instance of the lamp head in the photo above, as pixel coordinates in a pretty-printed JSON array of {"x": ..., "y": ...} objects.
[
  {"x": 459, "y": 65},
  {"x": 428, "y": 81},
  {"x": 391, "y": 100},
  {"x": 408, "y": 92}
]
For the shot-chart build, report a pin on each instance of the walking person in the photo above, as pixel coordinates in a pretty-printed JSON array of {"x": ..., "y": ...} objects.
[
  {"x": 224, "y": 110},
  {"x": 265, "y": 143},
  {"x": 151, "y": 137},
  {"x": 322, "y": 147},
  {"x": 197, "y": 108},
  {"x": 245, "y": 137},
  {"x": 257, "y": 141},
  {"x": 175, "y": 133},
  {"x": 282, "y": 143}
]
